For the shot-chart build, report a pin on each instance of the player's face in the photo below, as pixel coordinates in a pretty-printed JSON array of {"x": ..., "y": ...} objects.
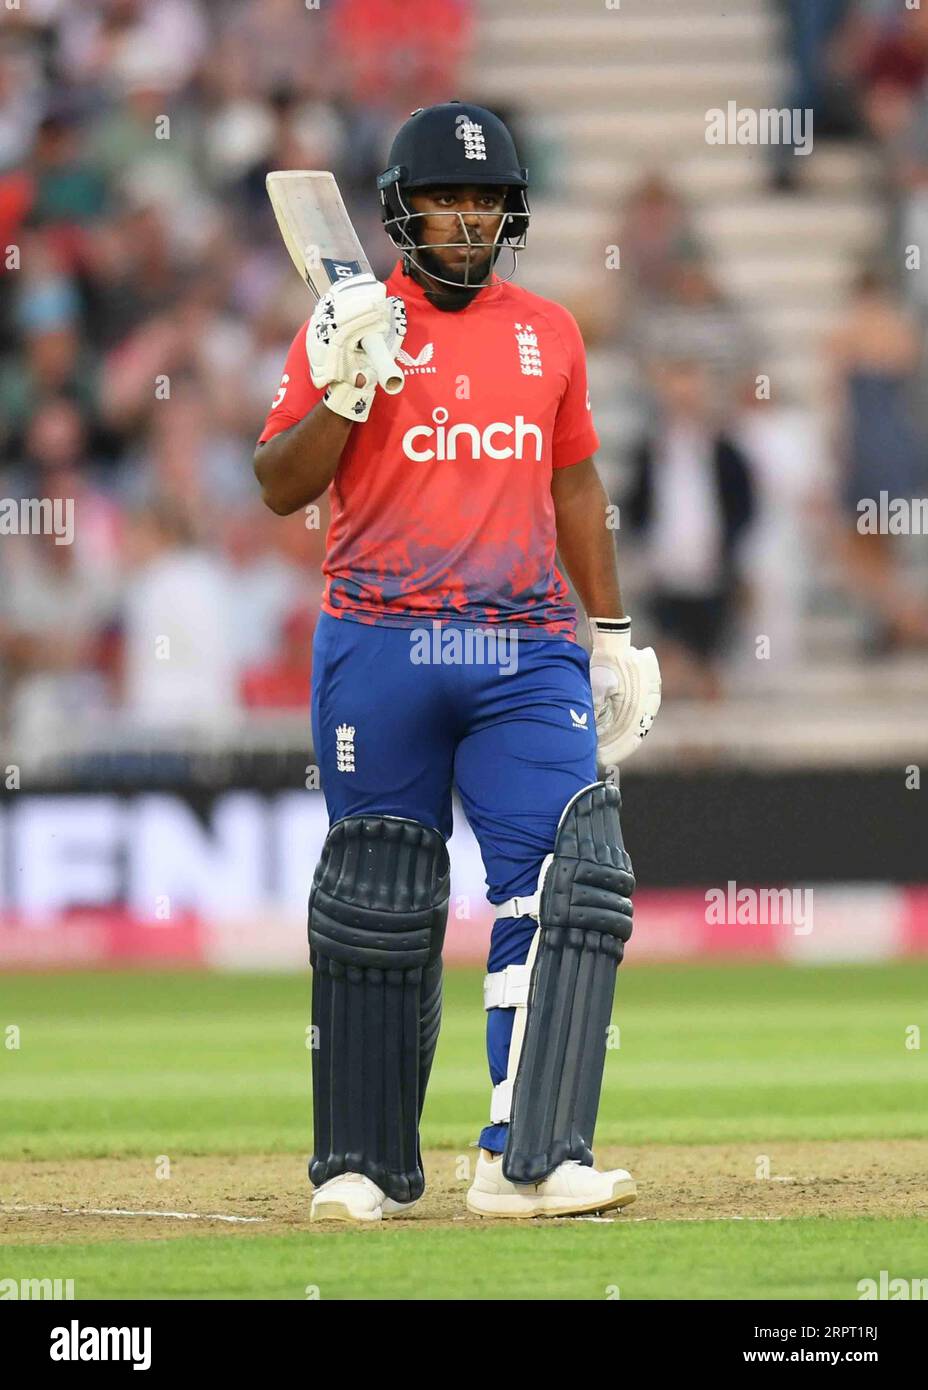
[{"x": 457, "y": 229}]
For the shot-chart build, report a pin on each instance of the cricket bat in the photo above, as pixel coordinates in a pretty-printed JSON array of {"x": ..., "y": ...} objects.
[{"x": 324, "y": 247}]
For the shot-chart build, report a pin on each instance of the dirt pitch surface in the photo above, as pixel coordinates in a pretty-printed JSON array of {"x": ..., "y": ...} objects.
[{"x": 87, "y": 1200}]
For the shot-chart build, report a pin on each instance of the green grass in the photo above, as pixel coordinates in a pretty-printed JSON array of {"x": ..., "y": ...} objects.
[
  {"x": 135, "y": 1064},
  {"x": 816, "y": 1258}
]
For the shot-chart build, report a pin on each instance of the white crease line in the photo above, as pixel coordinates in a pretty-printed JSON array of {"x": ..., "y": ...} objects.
[
  {"x": 666, "y": 1219},
  {"x": 118, "y": 1211},
  {"x": 215, "y": 1216},
  {"x": 657, "y": 1220}
]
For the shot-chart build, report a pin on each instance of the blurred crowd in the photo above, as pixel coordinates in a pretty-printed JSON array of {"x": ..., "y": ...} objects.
[
  {"x": 146, "y": 307},
  {"x": 733, "y": 497}
]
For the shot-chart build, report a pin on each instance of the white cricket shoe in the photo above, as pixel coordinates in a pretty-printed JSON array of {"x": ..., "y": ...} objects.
[
  {"x": 353, "y": 1197},
  {"x": 570, "y": 1190}
]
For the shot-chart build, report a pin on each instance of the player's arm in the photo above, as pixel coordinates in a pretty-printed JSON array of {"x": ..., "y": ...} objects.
[
  {"x": 584, "y": 540},
  {"x": 625, "y": 682},
  {"x": 327, "y": 389},
  {"x": 297, "y": 465}
]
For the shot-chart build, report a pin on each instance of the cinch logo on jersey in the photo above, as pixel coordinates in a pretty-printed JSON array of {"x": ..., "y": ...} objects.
[{"x": 481, "y": 441}]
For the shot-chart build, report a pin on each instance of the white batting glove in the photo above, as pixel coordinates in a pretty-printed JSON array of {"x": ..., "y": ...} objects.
[
  {"x": 626, "y": 685},
  {"x": 352, "y": 309}
]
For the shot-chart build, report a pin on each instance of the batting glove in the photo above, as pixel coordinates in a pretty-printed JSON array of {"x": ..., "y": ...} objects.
[
  {"x": 626, "y": 686},
  {"x": 351, "y": 310}
]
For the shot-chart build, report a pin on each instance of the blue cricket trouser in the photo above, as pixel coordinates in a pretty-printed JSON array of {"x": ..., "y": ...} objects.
[{"x": 516, "y": 744}]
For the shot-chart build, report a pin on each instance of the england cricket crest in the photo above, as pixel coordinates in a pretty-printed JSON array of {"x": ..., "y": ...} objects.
[
  {"x": 344, "y": 748},
  {"x": 529, "y": 351},
  {"x": 475, "y": 145}
]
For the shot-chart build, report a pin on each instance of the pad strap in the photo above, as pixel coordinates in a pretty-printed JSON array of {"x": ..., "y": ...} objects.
[
  {"x": 524, "y": 906},
  {"x": 501, "y": 1102},
  {"x": 507, "y": 989}
]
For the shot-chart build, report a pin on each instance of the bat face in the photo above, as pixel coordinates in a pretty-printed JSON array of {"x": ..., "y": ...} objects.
[
  {"x": 315, "y": 226},
  {"x": 323, "y": 246}
]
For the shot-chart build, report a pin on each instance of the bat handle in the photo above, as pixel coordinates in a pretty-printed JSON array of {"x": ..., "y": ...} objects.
[{"x": 385, "y": 369}]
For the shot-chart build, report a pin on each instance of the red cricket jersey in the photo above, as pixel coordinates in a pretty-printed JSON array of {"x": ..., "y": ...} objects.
[{"x": 441, "y": 502}]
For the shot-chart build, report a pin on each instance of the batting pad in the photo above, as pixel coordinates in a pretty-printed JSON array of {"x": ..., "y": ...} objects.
[
  {"x": 585, "y": 918},
  {"x": 377, "y": 915}
]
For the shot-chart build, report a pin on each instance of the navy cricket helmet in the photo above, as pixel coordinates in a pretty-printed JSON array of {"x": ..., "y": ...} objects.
[{"x": 455, "y": 142}]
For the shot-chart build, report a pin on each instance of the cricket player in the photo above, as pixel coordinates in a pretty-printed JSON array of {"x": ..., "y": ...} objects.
[{"x": 446, "y": 656}]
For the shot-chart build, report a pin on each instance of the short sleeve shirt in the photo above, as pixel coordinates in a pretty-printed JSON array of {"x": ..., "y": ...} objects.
[{"x": 441, "y": 504}]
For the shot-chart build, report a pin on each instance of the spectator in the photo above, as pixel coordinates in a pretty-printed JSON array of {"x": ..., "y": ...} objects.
[
  {"x": 700, "y": 323},
  {"x": 265, "y": 587},
  {"x": 813, "y": 26},
  {"x": 656, "y": 236},
  {"x": 105, "y": 40},
  {"x": 283, "y": 681},
  {"x": 692, "y": 497},
  {"x": 400, "y": 51},
  {"x": 54, "y": 613},
  {"x": 179, "y": 669},
  {"x": 51, "y": 359},
  {"x": 874, "y": 355},
  {"x": 788, "y": 466},
  {"x": 69, "y": 189}
]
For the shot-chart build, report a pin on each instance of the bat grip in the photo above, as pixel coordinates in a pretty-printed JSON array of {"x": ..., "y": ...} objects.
[{"x": 385, "y": 369}]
